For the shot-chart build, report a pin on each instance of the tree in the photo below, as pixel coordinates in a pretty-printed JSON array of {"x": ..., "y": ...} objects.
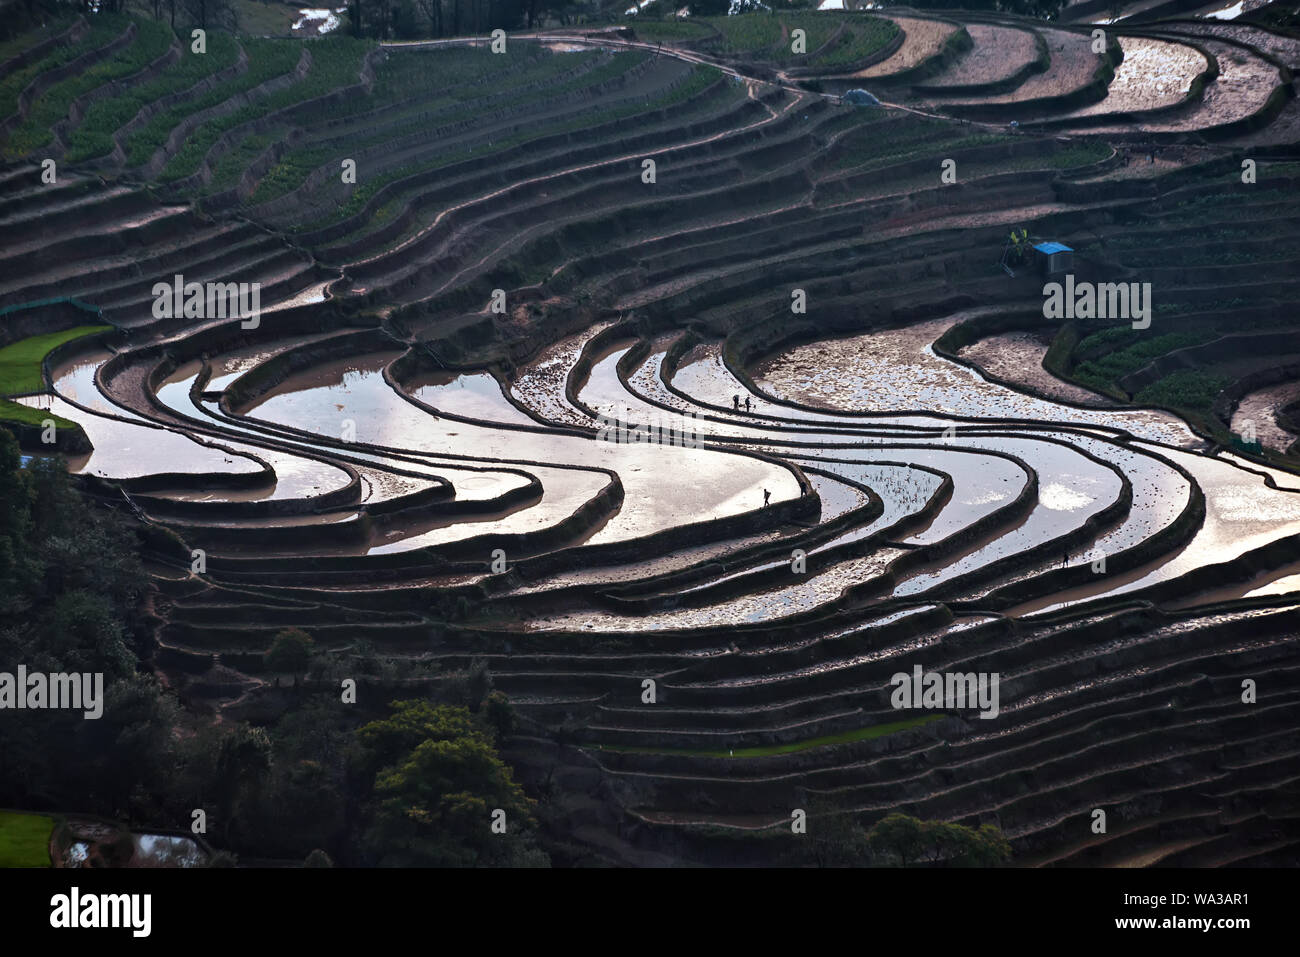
[
  {"x": 898, "y": 835},
  {"x": 290, "y": 651},
  {"x": 243, "y": 758},
  {"x": 988, "y": 848},
  {"x": 909, "y": 840},
  {"x": 318, "y": 858},
  {"x": 500, "y": 714},
  {"x": 438, "y": 786}
]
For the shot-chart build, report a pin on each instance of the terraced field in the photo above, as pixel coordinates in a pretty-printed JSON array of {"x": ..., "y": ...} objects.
[{"x": 757, "y": 428}]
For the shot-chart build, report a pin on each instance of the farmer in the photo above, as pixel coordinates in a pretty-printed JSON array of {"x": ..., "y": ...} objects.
[
  {"x": 766, "y": 496},
  {"x": 746, "y": 403},
  {"x": 735, "y": 401}
]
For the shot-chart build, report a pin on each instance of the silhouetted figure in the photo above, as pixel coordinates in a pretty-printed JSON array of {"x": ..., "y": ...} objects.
[
  {"x": 746, "y": 403},
  {"x": 735, "y": 401},
  {"x": 766, "y": 497}
]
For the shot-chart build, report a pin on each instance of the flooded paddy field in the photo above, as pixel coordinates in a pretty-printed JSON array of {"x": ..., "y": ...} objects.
[{"x": 512, "y": 412}]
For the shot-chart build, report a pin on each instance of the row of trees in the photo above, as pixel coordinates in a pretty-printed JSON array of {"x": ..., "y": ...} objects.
[{"x": 900, "y": 840}]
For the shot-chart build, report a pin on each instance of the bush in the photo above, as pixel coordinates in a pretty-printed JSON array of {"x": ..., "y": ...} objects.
[{"x": 318, "y": 858}]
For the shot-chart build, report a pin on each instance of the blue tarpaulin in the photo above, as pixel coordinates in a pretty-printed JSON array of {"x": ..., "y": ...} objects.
[{"x": 1048, "y": 249}]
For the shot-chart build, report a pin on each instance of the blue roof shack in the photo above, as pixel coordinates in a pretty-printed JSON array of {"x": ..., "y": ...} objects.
[
  {"x": 1056, "y": 258},
  {"x": 860, "y": 98}
]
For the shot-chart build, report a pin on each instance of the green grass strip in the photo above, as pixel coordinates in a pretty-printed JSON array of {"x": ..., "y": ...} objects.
[
  {"x": 769, "y": 750},
  {"x": 25, "y": 839},
  {"x": 20, "y": 362}
]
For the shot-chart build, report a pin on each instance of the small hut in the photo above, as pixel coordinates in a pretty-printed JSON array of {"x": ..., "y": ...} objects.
[{"x": 1054, "y": 258}]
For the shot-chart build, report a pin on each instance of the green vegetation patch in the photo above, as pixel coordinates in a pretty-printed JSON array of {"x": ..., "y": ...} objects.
[
  {"x": 700, "y": 79},
  {"x": 103, "y": 30},
  {"x": 793, "y": 747},
  {"x": 17, "y": 412},
  {"x": 151, "y": 41},
  {"x": 764, "y": 36},
  {"x": 865, "y": 37},
  {"x": 230, "y": 167},
  {"x": 1186, "y": 389},
  {"x": 1107, "y": 369},
  {"x": 20, "y": 362},
  {"x": 94, "y": 137},
  {"x": 453, "y": 73},
  {"x": 267, "y": 60},
  {"x": 25, "y": 839},
  {"x": 670, "y": 31},
  {"x": 335, "y": 64},
  {"x": 23, "y": 42}
]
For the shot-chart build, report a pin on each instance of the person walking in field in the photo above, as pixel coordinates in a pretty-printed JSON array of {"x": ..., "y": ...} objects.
[
  {"x": 746, "y": 403},
  {"x": 766, "y": 497},
  {"x": 735, "y": 401}
]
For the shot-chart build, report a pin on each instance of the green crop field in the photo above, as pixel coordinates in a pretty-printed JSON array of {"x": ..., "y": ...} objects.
[
  {"x": 768, "y": 750},
  {"x": 25, "y": 839},
  {"x": 151, "y": 41},
  {"x": 20, "y": 362},
  {"x": 94, "y": 136}
]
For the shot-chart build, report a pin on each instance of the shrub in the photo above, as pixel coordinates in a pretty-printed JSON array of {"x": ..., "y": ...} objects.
[{"x": 318, "y": 858}]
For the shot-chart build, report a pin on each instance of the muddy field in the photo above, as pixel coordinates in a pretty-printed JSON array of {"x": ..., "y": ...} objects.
[
  {"x": 1256, "y": 412},
  {"x": 1017, "y": 358}
]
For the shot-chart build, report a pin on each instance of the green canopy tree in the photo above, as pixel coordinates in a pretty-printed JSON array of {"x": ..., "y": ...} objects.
[
  {"x": 438, "y": 784},
  {"x": 290, "y": 651},
  {"x": 908, "y": 840}
]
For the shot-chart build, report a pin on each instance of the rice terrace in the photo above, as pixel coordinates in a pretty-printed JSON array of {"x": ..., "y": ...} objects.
[{"x": 566, "y": 434}]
